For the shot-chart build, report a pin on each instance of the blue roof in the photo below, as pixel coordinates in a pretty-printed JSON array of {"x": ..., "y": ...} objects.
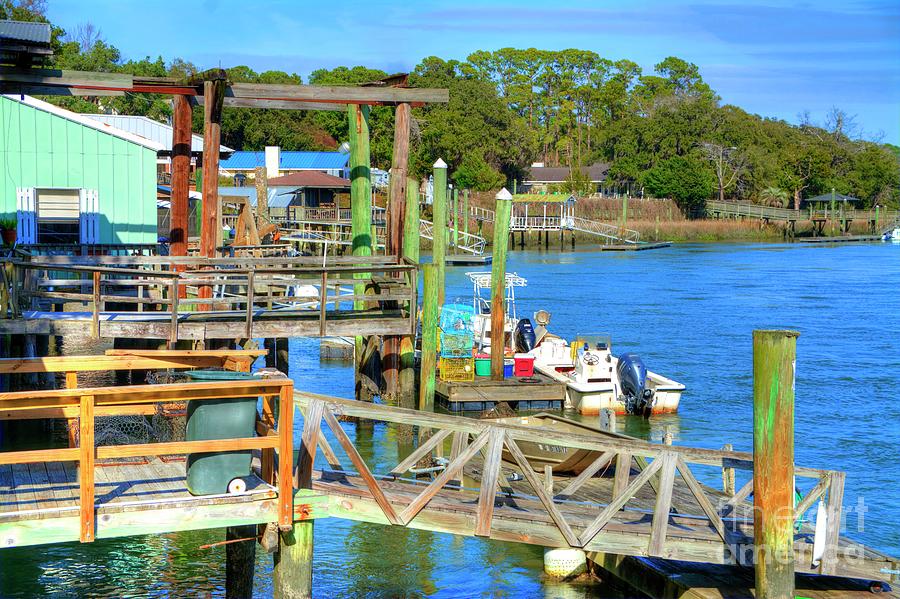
[{"x": 289, "y": 160}]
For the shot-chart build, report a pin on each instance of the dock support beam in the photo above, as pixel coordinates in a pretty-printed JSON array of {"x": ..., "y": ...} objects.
[
  {"x": 411, "y": 251},
  {"x": 439, "y": 233},
  {"x": 360, "y": 202},
  {"x": 293, "y": 562},
  {"x": 429, "y": 337},
  {"x": 181, "y": 173},
  {"x": 240, "y": 556},
  {"x": 774, "y": 359},
  {"x": 498, "y": 281}
]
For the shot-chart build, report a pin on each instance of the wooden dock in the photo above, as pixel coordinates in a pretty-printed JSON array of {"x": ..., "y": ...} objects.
[{"x": 539, "y": 392}]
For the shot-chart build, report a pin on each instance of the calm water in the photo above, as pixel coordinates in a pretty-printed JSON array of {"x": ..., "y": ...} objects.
[{"x": 689, "y": 312}]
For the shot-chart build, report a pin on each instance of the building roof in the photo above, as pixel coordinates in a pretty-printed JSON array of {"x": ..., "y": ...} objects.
[
  {"x": 24, "y": 31},
  {"x": 289, "y": 160},
  {"x": 544, "y": 198},
  {"x": 838, "y": 197},
  {"x": 149, "y": 129},
  {"x": 84, "y": 120},
  {"x": 557, "y": 174},
  {"x": 310, "y": 179}
]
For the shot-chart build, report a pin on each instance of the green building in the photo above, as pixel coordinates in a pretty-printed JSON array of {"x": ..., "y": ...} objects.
[{"x": 68, "y": 179}]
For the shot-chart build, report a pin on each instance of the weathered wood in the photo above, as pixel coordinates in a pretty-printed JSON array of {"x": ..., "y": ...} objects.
[
  {"x": 429, "y": 338},
  {"x": 728, "y": 474},
  {"x": 181, "y": 167},
  {"x": 308, "y": 442},
  {"x": 292, "y": 571},
  {"x": 361, "y": 467},
  {"x": 702, "y": 499},
  {"x": 623, "y": 472},
  {"x": 86, "y": 468},
  {"x": 545, "y": 497},
  {"x": 213, "y": 95},
  {"x": 422, "y": 451},
  {"x": 260, "y": 180},
  {"x": 498, "y": 282},
  {"x": 439, "y": 226},
  {"x": 586, "y": 474},
  {"x": 810, "y": 498},
  {"x": 95, "y": 307},
  {"x": 286, "y": 454},
  {"x": 490, "y": 476},
  {"x": 618, "y": 502},
  {"x": 663, "y": 505},
  {"x": 239, "y": 557},
  {"x": 449, "y": 472},
  {"x": 774, "y": 357},
  {"x": 833, "y": 532}
]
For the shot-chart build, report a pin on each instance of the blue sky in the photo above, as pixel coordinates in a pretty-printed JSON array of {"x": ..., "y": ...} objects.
[{"x": 776, "y": 59}]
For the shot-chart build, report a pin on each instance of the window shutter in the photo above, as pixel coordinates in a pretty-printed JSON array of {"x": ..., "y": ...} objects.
[
  {"x": 89, "y": 216},
  {"x": 25, "y": 215}
]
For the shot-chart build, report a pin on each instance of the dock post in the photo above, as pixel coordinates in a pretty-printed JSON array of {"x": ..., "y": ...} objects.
[
  {"x": 360, "y": 203},
  {"x": 466, "y": 213},
  {"x": 261, "y": 180},
  {"x": 455, "y": 219},
  {"x": 240, "y": 555},
  {"x": 429, "y": 337},
  {"x": 181, "y": 166},
  {"x": 439, "y": 227},
  {"x": 774, "y": 359},
  {"x": 411, "y": 251},
  {"x": 293, "y": 562},
  {"x": 498, "y": 282}
]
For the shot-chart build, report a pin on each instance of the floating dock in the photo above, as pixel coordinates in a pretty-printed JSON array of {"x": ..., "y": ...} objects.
[
  {"x": 467, "y": 260},
  {"x": 841, "y": 239},
  {"x": 537, "y": 392}
]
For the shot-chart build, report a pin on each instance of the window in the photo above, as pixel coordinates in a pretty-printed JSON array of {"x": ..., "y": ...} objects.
[{"x": 58, "y": 216}]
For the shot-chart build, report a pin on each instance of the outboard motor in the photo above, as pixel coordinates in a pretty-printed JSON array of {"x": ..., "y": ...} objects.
[
  {"x": 633, "y": 381},
  {"x": 524, "y": 336}
]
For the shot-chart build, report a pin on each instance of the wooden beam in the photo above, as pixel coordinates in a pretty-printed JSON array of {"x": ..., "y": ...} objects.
[
  {"x": 286, "y": 455},
  {"x": 181, "y": 174},
  {"x": 663, "y": 505},
  {"x": 338, "y": 94},
  {"x": 213, "y": 92},
  {"x": 86, "y": 468},
  {"x": 587, "y": 474},
  {"x": 490, "y": 476}
]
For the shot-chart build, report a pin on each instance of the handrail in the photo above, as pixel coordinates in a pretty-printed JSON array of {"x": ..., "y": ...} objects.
[
  {"x": 120, "y": 401},
  {"x": 658, "y": 466}
]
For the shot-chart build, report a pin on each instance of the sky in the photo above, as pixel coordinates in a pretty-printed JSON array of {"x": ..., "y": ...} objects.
[{"x": 776, "y": 59}]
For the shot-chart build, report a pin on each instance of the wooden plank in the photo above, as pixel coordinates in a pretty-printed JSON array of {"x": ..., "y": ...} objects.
[
  {"x": 362, "y": 468},
  {"x": 618, "y": 502},
  {"x": 39, "y": 455},
  {"x": 545, "y": 497},
  {"x": 86, "y": 468},
  {"x": 586, "y": 474},
  {"x": 308, "y": 442},
  {"x": 663, "y": 506},
  {"x": 185, "y": 447},
  {"x": 336, "y": 94},
  {"x": 702, "y": 499},
  {"x": 75, "y": 364},
  {"x": 623, "y": 473},
  {"x": 810, "y": 498},
  {"x": 422, "y": 499},
  {"x": 490, "y": 476},
  {"x": 833, "y": 532},
  {"x": 286, "y": 455},
  {"x": 423, "y": 450}
]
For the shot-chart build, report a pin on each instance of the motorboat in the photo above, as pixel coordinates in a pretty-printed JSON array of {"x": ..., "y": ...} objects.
[
  {"x": 564, "y": 460},
  {"x": 596, "y": 379}
]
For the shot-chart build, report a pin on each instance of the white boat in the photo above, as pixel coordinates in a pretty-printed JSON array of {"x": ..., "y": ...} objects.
[
  {"x": 596, "y": 379},
  {"x": 481, "y": 281}
]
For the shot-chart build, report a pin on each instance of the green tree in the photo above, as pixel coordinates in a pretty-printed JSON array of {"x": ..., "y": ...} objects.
[{"x": 686, "y": 180}]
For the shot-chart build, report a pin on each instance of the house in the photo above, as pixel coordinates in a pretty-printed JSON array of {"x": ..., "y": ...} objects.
[
  {"x": 69, "y": 179},
  {"x": 24, "y": 44},
  {"x": 541, "y": 179},
  {"x": 290, "y": 193},
  {"x": 161, "y": 133},
  {"x": 278, "y": 163}
]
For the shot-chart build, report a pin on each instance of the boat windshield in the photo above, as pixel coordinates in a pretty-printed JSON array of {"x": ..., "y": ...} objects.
[{"x": 596, "y": 342}]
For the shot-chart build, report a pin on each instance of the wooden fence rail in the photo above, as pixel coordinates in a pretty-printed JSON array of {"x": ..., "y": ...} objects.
[{"x": 660, "y": 467}]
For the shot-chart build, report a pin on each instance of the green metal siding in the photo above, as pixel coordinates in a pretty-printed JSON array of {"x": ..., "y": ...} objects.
[{"x": 39, "y": 149}]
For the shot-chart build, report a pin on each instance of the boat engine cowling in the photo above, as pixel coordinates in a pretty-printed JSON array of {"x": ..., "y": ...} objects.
[
  {"x": 524, "y": 336},
  {"x": 633, "y": 381}
]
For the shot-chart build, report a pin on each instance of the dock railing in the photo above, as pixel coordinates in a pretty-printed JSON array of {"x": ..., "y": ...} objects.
[
  {"x": 244, "y": 288},
  {"x": 86, "y": 404},
  {"x": 720, "y": 532}
]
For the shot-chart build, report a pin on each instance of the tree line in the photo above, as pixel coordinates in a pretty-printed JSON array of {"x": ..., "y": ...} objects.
[{"x": 665, "y": 132}]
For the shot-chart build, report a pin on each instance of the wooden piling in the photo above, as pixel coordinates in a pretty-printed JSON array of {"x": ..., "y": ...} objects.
[
  {"x": 439, "y": 227},
  {"x": 293, "y": 562},
  {"x": 239, "y": 561},
  {"x": 465, "y": 215},
  {"x": 213, "y": 98},
  {"x": 411, "y": 251},
  {"x": 181, "y": 173},
  {"x": 261, "y": 181},
  {"x": 360, "y": 201},
  {"x": 498, "y": 281},
  {"x": 429, "y": 337},
  {"x": 455, "y": 211},
  {"x": 774, "y": 358}
]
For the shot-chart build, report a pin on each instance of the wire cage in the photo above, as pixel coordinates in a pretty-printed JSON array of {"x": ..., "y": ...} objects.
[
  {"x": 458, "y": 369},
  {"x": 457, "y": 346},
  {"x": 457, "y": 319}
]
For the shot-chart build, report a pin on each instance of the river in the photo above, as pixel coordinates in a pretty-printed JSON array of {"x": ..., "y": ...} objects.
[{"x": 689, "y": 311}]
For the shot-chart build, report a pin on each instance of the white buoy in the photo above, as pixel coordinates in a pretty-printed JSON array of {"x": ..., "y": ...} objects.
[
  {"x": 237, "y": 485},
  {"x": 564, "y": 563}
]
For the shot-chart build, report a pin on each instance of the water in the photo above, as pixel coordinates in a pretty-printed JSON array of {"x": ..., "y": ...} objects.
[{"x": 689, "y": 312}]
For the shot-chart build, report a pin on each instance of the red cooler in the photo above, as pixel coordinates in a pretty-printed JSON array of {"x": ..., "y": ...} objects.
[{"x": 524, "y": 365}]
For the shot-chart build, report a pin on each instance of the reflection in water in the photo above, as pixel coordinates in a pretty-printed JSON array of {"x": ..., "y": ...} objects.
[{"x": 689, "y": 315}]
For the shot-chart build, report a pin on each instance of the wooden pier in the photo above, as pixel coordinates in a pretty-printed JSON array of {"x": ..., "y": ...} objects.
[{"x": 538, "y": 392}]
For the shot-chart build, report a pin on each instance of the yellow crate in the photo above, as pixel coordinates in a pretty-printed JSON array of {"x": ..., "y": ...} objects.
[{"x": 458, "y": 369}]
